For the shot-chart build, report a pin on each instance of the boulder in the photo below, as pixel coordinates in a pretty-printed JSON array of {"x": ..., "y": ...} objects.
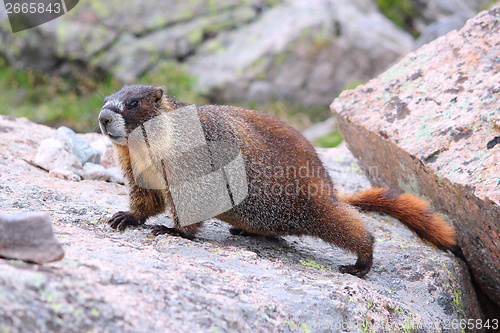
[
  {"x": 438, "y": 17},
  {"x": 93, "y": 39},
  {"x": 72, "y": 156},
  {"x": 103, "y": 145},
  {"x": 235, "y": 49},
  {"x": 320, "y": 129},
  {"x": 114, "y": 175},
  {"x": 301, "y": 51},
  {"x": 428, "y": 125},
  {"x": 68, "y": 174},
  {"x": 94, "y": 172},
  {"x": 432, "y": 11}
]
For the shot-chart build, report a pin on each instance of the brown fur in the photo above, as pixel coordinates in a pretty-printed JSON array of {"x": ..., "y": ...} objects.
[
  {"x": 407, "y": 208},
  {"x": 277, "y": 156}
]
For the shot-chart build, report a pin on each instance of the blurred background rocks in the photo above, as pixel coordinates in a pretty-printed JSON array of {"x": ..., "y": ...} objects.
[{"x": 286, "y": 57}]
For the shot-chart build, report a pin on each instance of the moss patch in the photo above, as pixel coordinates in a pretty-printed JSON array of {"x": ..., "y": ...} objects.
[{"x": 400, "y": 12}]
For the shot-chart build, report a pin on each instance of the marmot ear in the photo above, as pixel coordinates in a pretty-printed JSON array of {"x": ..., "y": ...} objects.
[{"x": 158, "y": 94}]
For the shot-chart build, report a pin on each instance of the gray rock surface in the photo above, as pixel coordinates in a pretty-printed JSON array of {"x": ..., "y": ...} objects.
[
  {"x": 432, "y": 11},
  {"x": 68, "y": 174},
  {"x": 132, "y": 282},
  {"x": 430, "y": 125},
  {"x": 299, "y": 50},
  {"x": 320, "y": 129},
  {"x": 438, "y": 17},
  {"x": 92, "y": 171},
  {"x": 103, "y": 145},
  {"x": 114, "y": 175},
  {"x": 28, "y": 237}
]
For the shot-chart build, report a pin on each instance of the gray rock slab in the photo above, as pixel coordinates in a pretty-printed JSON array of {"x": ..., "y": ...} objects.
[{"x": 29, "y": 237}]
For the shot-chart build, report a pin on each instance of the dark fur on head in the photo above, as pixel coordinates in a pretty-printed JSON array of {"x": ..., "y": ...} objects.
[{"x": 134, "y": 105}]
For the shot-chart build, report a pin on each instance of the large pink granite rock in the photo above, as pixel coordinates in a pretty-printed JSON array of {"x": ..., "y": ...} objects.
[{"x": 431, "y": 125}]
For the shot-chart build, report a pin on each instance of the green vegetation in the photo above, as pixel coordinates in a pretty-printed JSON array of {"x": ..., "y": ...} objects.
[
  {"x": 57, "y": 101},
  {"x": 177, "y": 82},
  {"x": 52, "y": 100},
  {"x": 488, "y": 5},
  {"x": 332, "y": 139},
  {"x": 401, "y": 12},
  {"x": 353, "y": 84},
  {"x": 75, "y": 103},
  {"x": 298, "y": 116}
]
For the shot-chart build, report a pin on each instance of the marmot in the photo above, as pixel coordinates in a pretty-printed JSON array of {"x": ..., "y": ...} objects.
[{"x": 274, "y": 154}]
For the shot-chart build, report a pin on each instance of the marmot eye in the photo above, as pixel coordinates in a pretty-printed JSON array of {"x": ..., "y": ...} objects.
[{"x": 134, "y": 104}]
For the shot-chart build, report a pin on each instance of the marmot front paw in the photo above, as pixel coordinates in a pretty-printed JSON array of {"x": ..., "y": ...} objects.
[{"x": 121, "y": 220}]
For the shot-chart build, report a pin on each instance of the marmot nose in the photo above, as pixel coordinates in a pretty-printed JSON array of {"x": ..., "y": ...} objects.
[
  {"x": 105, "y": 117},
  {"x": 105, "y": 120}
]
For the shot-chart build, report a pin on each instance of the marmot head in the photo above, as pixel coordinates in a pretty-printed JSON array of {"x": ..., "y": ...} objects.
[{"x": 130, "y": 107}]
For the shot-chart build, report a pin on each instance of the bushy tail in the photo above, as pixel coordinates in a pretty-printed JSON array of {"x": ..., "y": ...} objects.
[{"x": 407, "y": 208}]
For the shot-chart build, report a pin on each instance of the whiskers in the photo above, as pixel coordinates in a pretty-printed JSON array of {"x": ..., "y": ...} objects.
[{"x": 102, "y": 94}]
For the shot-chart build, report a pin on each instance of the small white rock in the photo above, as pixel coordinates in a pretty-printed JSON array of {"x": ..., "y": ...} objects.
[
  {"x": 94, "y": 172},
  {"x": 52, "y": 155},
  {"x": 115, "y": 175}
]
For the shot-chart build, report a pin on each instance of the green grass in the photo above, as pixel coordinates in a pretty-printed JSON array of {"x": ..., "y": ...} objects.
[
  {"x": 57, "y": 101},
  {"x": 298, "y": 116},
  {"x": 178, "y": 83},
  {"x": 400, "y": 12},
  {"x": 332, "y": 139},
  {"x": 488, "y": 5},
  {"x": 353, "y": 84},
  {"x": 51, "y": 100}
]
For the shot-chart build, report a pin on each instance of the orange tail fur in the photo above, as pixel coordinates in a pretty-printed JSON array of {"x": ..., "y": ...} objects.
[{"x": 407, "y": 208}]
